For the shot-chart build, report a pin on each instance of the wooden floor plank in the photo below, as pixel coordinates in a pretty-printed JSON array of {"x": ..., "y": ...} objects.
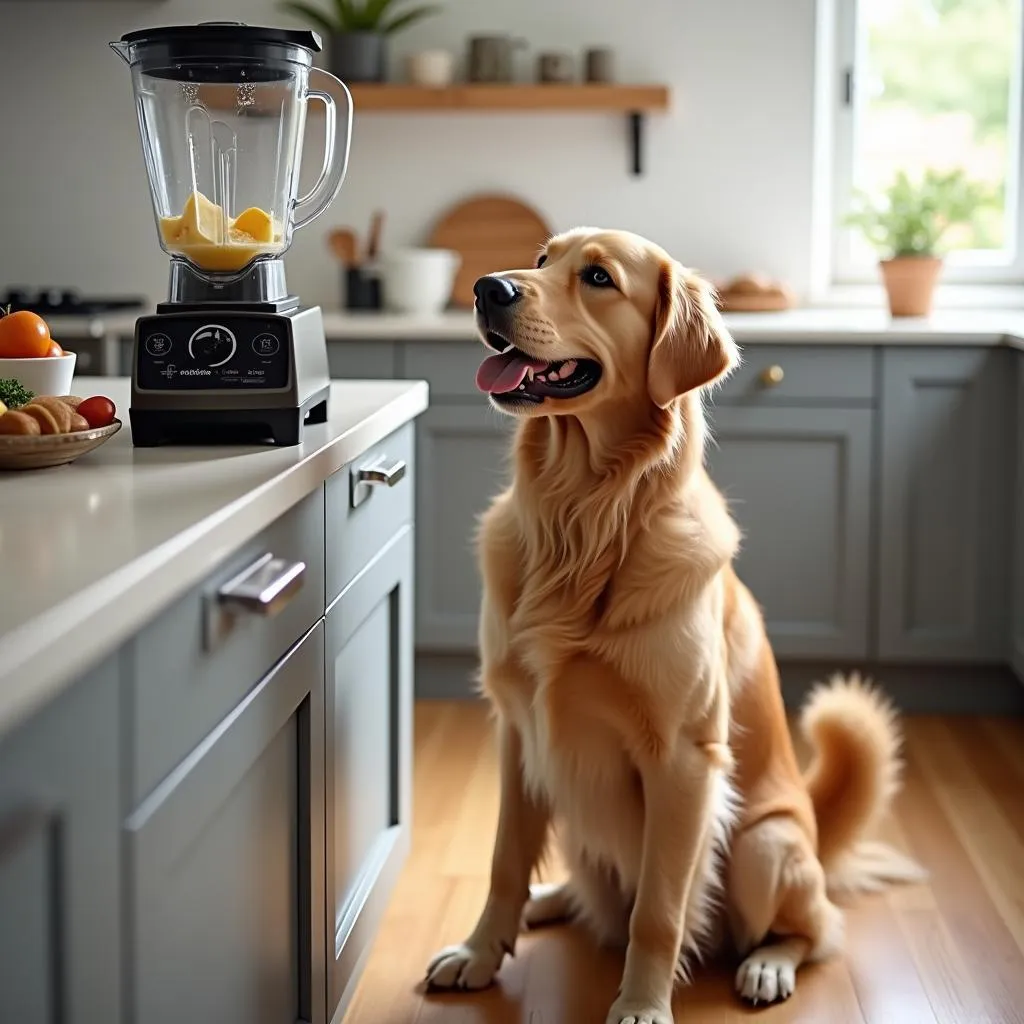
[
  {"x": 939, "y": 953},
  {"x": 881, "y": 964},
  {"x": 987, "y": 948},
  {"x": 991, "y": 842}
]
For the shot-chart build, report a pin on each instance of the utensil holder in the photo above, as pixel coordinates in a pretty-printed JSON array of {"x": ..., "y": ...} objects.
[{"x": 362, "y": 289}]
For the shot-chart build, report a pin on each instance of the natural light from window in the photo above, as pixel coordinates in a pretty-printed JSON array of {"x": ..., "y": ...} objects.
[{"x": 935, "y": 84}]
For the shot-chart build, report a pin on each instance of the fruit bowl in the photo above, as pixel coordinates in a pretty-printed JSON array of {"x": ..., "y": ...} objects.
[
  {"x": 41, "y": 451},
  {"x": 48, "y": 375}
]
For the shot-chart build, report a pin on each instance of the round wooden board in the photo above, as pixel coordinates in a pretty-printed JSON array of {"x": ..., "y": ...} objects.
[{"x": 490, "y": 233}]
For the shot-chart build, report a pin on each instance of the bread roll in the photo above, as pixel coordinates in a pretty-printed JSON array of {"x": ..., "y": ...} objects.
[
  {"x": 43, "y": 416},
  {"x": 72, "y": 400},
  {"x": 78, "y": 422},
  {"x": 18, "y": 423},
  {"x": 60, "y": 411},
  {"x": 750, "y": 284}
]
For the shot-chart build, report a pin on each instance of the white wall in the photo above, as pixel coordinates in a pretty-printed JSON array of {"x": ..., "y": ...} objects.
[{"x": 727, "y": 184}]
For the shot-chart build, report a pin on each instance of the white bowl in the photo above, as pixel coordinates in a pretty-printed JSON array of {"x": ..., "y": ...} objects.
[
  {"x": 50, "y": 375},
  {"x": 418, "y": 280},
  {"x": 431, "y": 68}
]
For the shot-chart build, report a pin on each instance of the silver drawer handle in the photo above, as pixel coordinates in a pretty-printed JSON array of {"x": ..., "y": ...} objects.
[
  {"x": 378, "y": 474},
  {"x": 265, "y": 587},
  {"x": 372, "y": 475}
]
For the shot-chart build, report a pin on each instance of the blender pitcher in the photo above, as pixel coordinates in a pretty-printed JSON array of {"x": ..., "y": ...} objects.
[{"x": 222, "y": 112}]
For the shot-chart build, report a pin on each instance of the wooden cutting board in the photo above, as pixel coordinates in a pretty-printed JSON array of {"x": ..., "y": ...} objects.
[{"x": 490, "y": 233}]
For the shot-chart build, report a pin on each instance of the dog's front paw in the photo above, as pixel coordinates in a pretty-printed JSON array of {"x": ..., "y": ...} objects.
[
  {"x": 764, "y": 978},
  {"x": 464, "y": 966},
  {"x": 629, "y": 1011}
]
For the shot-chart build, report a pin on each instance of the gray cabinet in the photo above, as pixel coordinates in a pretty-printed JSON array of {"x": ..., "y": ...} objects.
[
  {"x": 226, "y": 864},
  {"x": 60, "y": 860},
  {"x": 945, "y": 504},
  {"x": 369, "y": 751},
  {"x": 798, "y": 481},
  {"x": 362, "y": 360},
  {"x": 1017, "y": 630},
  {"x": 462, "y": 461}
]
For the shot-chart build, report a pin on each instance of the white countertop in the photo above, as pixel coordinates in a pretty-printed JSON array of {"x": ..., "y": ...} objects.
[
  {"x": 795, "y": 326},
  {"x": 89, "y": 552}
]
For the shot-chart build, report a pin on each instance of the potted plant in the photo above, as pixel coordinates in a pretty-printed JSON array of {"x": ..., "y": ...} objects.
[
  {"x": 357, "y": 30},
  {"x": 907, "y": 223}
]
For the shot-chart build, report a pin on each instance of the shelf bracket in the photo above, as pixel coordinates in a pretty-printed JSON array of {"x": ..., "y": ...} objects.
[{"x": 636, "y": 131}]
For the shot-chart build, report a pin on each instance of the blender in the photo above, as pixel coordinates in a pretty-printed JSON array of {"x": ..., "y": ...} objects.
[{"x": 231, "y": 355}]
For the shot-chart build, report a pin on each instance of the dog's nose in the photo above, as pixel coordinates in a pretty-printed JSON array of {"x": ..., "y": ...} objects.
[{"x": 493, "y": 291}]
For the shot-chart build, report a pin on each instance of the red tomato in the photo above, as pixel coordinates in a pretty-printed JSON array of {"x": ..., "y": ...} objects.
[
  {"x": 24, "y": 335},
  {"x": 97, "y": 411}
]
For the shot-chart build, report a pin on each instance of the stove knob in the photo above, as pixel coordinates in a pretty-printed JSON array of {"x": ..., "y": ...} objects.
[{"x": 212, "y": 345}]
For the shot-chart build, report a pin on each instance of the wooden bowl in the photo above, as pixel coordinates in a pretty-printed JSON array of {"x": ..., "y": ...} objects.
[{"x": 41, "y": 451}]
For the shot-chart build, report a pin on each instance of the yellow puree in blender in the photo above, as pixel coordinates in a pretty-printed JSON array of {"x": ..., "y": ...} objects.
[{"x": 199, "y": 234}]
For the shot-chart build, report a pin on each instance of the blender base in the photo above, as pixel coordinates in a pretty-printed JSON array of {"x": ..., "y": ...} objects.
[
  {"x": 152, "y": 428},
  {"x": 222, "y": 374}
]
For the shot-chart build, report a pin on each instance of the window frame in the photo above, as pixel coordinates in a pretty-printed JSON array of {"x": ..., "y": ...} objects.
[{"x": 960, "y": 267}]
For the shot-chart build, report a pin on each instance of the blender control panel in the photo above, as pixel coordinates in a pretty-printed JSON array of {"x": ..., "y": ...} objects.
[{"x": 202, "y": 351}]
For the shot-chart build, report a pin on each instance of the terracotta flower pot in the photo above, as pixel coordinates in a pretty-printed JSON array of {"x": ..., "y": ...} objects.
[{"x": 910, "y": 283}]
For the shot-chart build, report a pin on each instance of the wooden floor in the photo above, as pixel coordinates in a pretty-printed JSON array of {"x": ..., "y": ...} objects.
[{"x": 950, "y": 951}]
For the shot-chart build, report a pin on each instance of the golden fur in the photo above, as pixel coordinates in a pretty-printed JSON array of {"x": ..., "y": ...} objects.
[{"x": 636, "y": 694}]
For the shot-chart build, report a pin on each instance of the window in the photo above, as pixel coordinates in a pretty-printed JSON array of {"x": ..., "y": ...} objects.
[{"x": 931, "y": 84}]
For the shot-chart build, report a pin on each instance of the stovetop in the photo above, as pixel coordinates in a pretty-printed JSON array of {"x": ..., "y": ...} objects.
[{"x": 66, "y": 302}]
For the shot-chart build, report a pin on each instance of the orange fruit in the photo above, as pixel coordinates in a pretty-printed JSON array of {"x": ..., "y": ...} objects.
[
  {"x": 24, "y": 335},
  {"x": 55, "y": 349}
]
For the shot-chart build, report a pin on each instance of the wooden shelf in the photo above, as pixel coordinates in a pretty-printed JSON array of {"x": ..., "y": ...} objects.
[
  {"x": 615, "y": 98},
  {"x": 633, "y": 100}
]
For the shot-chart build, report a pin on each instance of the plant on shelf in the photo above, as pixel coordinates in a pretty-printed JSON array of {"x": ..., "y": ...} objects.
[
  {"x": 907, "y": 223},
  {"x": 357, "y": 31}
]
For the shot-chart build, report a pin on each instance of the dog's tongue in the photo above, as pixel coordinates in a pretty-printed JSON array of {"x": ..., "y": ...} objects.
[{"x": 505, "y": 372}]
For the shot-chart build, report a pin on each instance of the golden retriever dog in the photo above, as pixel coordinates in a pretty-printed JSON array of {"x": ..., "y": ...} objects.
[{"x": 635, "y": 691}]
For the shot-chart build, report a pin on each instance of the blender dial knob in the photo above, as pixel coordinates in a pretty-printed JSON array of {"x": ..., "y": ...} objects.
[{"x": 213, "y": 345}]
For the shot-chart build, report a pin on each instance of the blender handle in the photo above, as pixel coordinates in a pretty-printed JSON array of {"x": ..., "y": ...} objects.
[{"x": 335, "y": 165}]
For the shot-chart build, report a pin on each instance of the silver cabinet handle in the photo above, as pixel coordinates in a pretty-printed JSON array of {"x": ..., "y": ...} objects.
[
  {"x": 374, "y": 474},
  {"x": 265, "y": 587},
  {"x": 377, "y": 474}
]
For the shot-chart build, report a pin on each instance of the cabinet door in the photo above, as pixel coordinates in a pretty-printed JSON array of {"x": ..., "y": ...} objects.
[
  {"x": 369, "y": 751},
  {"x": 60, "y": 862},
  {"x": 462, "y": 458},
  {"x": 227, "y": 864},
  {"x": 946, "y": 491},
  {"x": 1017, "y": 631},
  {"x": 798, "y": 482}
]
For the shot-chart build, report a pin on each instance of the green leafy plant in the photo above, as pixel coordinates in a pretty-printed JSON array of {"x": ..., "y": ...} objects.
[
  {"x": 359, "y": 15},
  {"x": 910, "y": 218},
  {"x": 13, "y": 394}
]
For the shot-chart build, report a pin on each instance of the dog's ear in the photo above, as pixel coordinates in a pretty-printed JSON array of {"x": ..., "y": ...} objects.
[{"x": 691, "y": 345}]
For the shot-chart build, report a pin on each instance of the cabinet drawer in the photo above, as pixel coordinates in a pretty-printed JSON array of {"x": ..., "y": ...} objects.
[
  {"x": 185, "y": 680},
  {"x": 362, "y": 517},
  {"x": 777, "y": 374}
]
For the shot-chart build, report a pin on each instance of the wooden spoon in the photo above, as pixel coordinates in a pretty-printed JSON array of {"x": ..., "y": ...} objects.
[
  {"x": 344, "y": 245},
  {"x": 376, "y": 227}
]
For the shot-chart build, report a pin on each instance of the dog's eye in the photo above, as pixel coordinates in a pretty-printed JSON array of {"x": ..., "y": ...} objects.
[
  {"x": 597, "y": 277},
  {"x": 541, "y": 260}
]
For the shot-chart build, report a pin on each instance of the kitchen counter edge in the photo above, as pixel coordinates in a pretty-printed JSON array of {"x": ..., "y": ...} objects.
[{"x": 45, "y": 655}]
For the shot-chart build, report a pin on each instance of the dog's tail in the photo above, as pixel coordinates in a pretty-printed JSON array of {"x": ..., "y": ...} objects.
[{"x": 853, "y": 776}]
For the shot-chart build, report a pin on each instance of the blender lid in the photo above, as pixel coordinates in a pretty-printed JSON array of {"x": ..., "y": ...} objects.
[{"x": 219, "y": 38}]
